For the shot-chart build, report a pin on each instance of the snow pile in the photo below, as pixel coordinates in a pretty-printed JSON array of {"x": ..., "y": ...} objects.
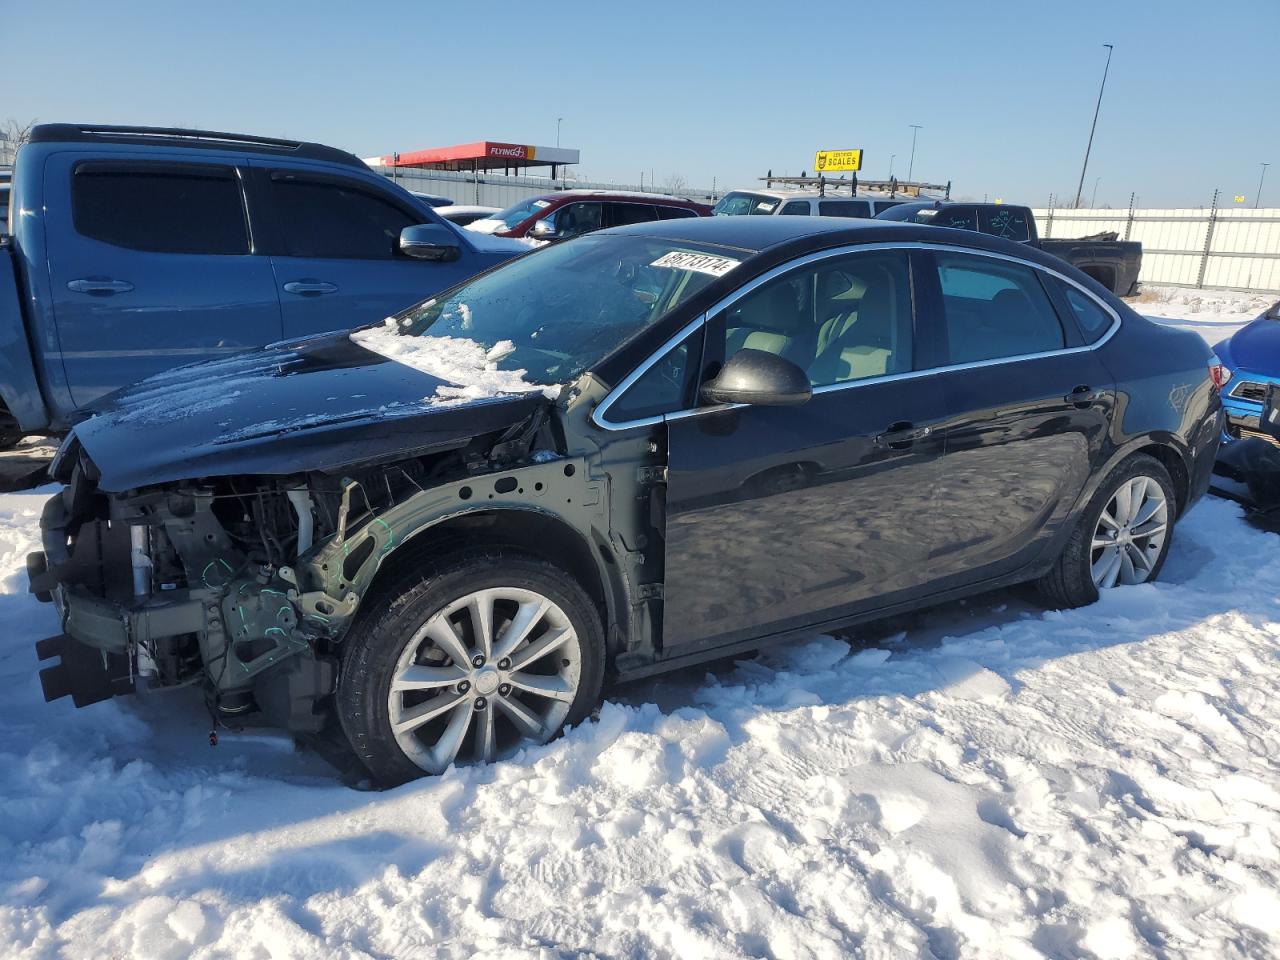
[
  {"x": 487, "y": 227},
  {"x": 471, "y": 370},
  {"x": 996, "y": 781},
  {"x": 1214, "y": 314}
]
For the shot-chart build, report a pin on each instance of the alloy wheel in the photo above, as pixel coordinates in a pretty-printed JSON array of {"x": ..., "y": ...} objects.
[
  {"x": 1130, "y": 534},
  {"x": 491, "y": 670}
]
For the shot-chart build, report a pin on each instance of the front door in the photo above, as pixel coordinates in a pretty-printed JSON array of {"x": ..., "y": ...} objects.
[
  {"x": 336, "y": 252},
  {"x": 783, "y": 517},
  {"x": 152, "y": 267},
  {"x": 1028, "y": 404}
]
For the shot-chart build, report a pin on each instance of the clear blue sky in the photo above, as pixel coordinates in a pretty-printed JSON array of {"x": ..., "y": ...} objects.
[{"x": 1004, "y": 90}]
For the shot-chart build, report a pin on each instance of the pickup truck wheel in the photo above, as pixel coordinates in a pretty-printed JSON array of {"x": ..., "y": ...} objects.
[
  {"x": 465, "y": 662},
  {"x": 1122, "y": 537}
]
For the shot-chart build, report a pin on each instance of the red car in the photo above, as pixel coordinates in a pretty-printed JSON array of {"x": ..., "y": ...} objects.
[{"x": 559, "y": 216}]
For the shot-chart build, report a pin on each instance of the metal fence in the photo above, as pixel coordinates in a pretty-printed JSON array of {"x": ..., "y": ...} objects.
[
  {"x": 1228, "y": 248},
  {"x": 495, "y": 190}
]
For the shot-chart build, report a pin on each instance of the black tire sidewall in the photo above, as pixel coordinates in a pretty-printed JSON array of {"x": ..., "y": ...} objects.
[
  {"x": 392, "y": 616},
  {"x": 1078, "y": 556}
]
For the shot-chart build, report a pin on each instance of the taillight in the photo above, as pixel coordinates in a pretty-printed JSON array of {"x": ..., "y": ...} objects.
[{"x": 1218, "y": 373}]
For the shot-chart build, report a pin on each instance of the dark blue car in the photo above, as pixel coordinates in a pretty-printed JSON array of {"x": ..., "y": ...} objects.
[{"x": 1253, "y": 357}]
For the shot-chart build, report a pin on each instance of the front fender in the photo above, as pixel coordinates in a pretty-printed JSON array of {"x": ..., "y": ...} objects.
[{"x": 561, "y": 491}]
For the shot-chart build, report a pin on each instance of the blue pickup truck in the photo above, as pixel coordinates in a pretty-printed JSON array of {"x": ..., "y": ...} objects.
[{"x": 135, "y": 249}]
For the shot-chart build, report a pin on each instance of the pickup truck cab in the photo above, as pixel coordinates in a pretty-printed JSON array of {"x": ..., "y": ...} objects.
[
  {"x": 1113, "y": 263},
  {"x": 796, "y": 203},
  {"x": 136, "y": 249}
]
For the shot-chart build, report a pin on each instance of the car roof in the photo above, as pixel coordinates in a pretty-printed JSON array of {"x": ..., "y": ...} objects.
[
  {"x": 617, "y": 195},
  {"x": 758, "y": 234}
]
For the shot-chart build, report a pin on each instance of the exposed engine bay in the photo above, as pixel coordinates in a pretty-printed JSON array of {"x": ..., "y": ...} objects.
[{"x": 245, "y": 585}]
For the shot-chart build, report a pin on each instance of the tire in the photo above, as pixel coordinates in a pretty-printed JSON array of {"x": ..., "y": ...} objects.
[
  {"x": 1071, "y": 581},
  {"x": 448, "y": 709}
]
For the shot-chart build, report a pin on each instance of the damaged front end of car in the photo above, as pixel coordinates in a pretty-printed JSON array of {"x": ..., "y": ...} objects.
[{"x": 245, "y": 585}]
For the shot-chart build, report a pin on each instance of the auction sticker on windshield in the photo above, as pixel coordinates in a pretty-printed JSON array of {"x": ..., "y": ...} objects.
[{"x": 696, "y": 262}]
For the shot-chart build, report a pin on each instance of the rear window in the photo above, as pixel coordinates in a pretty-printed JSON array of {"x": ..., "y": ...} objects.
[
  {"x": 958, "y": 218},
  {"x": 739, "y": 204},
  {"x": 844, "y": 208},
  {"x": 1007, "y": 222},
  {"x": 191, "y": 209},
  {"x": 1093, "y": 320}
]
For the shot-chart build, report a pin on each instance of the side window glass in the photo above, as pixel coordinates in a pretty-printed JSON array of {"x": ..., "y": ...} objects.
[
  {"x": 1093, "y": 320},
  {"x": 844, "y": 208},
  {"x": 795, "y": 208},
  {"x": 959, "y": 218},
  {"x": 625, "y": 213},
  {"x": 663, "y": 388},
  {"x": 576, "y": 218},
  {"x": 187, "y": 210},
  {"x": 840, "y": 319},
  {"x": 675, "y": 213},
  {"x": 994, "y": 309},
  {"x": 337, "y": 221}
]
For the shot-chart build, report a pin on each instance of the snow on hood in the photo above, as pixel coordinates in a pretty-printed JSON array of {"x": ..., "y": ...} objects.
[
  {"x": 486, "y": 226},
  {"x": 470, "y": 369}
]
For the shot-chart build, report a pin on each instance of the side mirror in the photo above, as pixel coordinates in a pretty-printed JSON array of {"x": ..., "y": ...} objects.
[
  {"x": 1274, "y": 312},
  {"x": 544, "y": 230},
  {"x": 430, "y": 241},
  {"x": 760, "y": 378}
]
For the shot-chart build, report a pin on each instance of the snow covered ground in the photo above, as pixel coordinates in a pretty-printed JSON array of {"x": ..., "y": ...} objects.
[
  {"x": 1214, "y": 314},
  {"x": 985, "y": 780}
]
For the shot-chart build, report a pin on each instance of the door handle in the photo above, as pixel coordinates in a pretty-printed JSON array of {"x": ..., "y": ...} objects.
[
  {"x": 99, "y": 286},
  {"x": 901, "y": 435},
  {"x": 1082, "y": 396},
  {"x": 310, "y": 288}
]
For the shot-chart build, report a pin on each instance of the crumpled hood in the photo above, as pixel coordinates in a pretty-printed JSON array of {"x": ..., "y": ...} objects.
[
  {"x": 324, "y": 403},
  {"x": 1255, "y": 347}
]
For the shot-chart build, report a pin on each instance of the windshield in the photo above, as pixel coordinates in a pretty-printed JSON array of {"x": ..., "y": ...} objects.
[
  {"x": 740, "y": 204},
  {"x": 518, "y": 213},
  {"x": 549, "y": 316}
]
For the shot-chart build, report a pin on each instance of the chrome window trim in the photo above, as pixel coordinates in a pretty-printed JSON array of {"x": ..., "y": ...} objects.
[{"x": 598, "y": 414}]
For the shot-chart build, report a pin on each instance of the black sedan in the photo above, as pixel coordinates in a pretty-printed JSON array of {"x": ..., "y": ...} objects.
[{"x": 434, "y": 540}]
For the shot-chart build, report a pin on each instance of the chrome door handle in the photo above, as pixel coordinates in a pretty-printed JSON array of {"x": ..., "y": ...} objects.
[
  {"x": 901, "y": 435},
  {"x": 1083, "y": 396},
  {"x": 310, "y": 288},
  {"x": 100, "y": 286}
]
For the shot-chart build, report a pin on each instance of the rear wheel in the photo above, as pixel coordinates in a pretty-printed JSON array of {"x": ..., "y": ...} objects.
[
  {"x": 467, "y": 662},
  {"x": 1123, "y": 536}
]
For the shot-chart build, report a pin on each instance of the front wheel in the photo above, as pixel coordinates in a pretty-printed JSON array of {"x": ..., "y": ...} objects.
[
  {"x": 468, "y": 661},
  {"x": 1122, "y": 538}
]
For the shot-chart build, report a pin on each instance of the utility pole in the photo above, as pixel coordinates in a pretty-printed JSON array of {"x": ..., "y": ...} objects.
[
  {"x": 1258, "y": 196},
  {"x": 558, "y": 119},
  {"x": 1089, "y": 147},
  {"x": 915, "y": 129},
  {"x": 892, "y": 157}
]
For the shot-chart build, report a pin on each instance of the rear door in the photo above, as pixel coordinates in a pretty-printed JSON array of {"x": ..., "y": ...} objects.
[
  {"x": 621, "y": 214},
  {"x": 152, "y": 265},
  {"x": 781, "y": 517},
  {"x": 1028, "y": 407},
  {"x": 336, "y": 251}
]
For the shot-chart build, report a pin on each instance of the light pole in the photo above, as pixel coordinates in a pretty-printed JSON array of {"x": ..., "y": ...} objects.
[
  {"x": 1093, "y": 203},
  {"x": 1258, "y": 195},
  {"x": 915, "y": 129},
  {"x": 558, "y": 119},
  {"x": 892, "y": 156},
  {"x": 1085, "y": 166}
]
